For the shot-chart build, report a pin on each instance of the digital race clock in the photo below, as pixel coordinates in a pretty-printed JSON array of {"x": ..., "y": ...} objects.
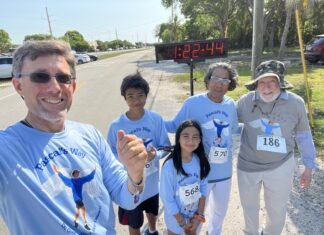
[{"x": 191, "y": 50}]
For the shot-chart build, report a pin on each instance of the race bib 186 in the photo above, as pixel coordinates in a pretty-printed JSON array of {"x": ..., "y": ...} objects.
[{"x": 271, "y": 143}]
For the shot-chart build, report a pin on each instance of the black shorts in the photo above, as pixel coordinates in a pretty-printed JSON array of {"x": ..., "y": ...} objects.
[
  {"x": 79, "y": 204},
  {"x": 135, "y": 218}
]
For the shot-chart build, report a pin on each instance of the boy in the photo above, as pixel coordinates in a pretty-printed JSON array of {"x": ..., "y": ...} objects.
[{"x": 150, "y": 127}]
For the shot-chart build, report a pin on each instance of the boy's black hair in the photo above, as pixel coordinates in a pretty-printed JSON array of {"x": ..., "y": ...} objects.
[
  {"x": 134, "y": 81},
  {"x": 176, "y": 153}
]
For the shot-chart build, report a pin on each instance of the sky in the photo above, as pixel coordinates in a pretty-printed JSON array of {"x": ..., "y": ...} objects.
[{"x": 105, "y": 20}]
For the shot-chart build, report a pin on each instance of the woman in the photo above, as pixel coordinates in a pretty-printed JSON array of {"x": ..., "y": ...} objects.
[{"x": 217, "y": 116}]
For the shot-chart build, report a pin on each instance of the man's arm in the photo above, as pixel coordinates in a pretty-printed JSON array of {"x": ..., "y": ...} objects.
[
  {"x": 307, "y": 151},
  {"x": 133, "y": 155}
]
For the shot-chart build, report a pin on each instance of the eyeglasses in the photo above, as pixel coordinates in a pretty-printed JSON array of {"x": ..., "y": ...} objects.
[
  {"x": 41, "y": 77},
  {"x": 220, "y": 80}
]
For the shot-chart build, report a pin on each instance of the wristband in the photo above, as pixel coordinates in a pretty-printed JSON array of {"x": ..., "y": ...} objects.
[
  {"x": 137, "y": 187},
  {"x": 199, "y": 217},
  {"x": 133, "y": 183}
]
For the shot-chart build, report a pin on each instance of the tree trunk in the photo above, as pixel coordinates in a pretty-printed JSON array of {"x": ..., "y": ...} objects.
[
  {"x": 285, "y": 33},
  {"x": 271, "y": 37}
]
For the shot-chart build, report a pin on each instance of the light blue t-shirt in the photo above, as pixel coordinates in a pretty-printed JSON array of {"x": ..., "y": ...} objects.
[
  {"x": 170, "y": 185},
  {"x": 218, "y": 122},
  {"x": 152, "y": 130},
  {"x": 36, "y": 200}
]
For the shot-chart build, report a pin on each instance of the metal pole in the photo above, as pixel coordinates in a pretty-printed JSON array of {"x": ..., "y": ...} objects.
[
  {"x": 191, "y": 77},
  {"x": 300, "y": 39},
  {"x": 172, "y": 27},
  {"x": 257, "y": 41},
  {"x": 49, "y": 23}
]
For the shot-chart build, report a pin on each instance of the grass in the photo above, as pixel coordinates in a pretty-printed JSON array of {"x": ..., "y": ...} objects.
[
  {"x": 115, "y": 53},
  {"x": 295, "y": 75}
]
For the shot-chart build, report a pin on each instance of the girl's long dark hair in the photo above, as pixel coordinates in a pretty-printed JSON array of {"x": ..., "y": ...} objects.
[{"x": 200, "y": 152}]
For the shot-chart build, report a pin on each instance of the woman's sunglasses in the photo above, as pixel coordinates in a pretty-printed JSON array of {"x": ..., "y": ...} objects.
[
  {"x": 41, "y": 77},
  {"x": 220, "y": 80}
]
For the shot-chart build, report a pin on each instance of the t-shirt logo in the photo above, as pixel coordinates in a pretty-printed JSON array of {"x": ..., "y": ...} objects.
[
  {"x": 221, "y": 129},
  {"x": 268, "y": 126}
]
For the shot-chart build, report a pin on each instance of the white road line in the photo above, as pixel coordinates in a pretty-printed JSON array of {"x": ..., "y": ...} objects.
[{"x": 4, "y": 97}]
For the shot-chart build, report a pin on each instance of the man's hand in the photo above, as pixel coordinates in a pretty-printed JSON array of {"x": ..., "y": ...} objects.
[
  {"x": 150, "y": 153},
  {"x": 305, "y": 178},
  {"x": 132, "y": 154}
]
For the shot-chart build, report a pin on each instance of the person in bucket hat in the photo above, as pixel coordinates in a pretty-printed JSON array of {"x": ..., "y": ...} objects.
[
  {"x": 270, "y": 68},
  {"x": 274, "y": 120}
]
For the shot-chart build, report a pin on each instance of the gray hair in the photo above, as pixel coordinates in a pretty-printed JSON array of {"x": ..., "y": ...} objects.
[
  {"x": 35, "y": 49},
  {"x": 233, "y": 75}
]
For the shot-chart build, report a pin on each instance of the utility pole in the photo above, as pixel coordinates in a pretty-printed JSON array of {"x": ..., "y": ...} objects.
[
  {"x": 49, "y": 23},
  {"x": 257, "y": 41},
  {"x": 172, "y": 26},
  {"x": 116, "y": 33}
]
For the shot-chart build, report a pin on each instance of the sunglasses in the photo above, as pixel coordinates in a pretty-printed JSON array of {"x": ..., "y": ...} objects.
[
  {"x": 41, "y": 77},
  {"x": 220, "y": 80}
]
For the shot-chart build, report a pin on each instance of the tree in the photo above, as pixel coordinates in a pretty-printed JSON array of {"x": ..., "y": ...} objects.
[
  {"x": 5, "y": 42},
  {"x": 272, "y": 21},
  {"x": 240, "y": 28},
  {"x": 101, "y": 46},
  {"x": 160, "y": 30},
  {"x": 37, "y": 37},
  {"x": 289, "y": 8},
  {"x": 222, "y": 12},
  {"x": 116, "y": 44},
  {"x": 76, "y": 41},
  {"x": 200, "y": 28},
  {"x": 173, "y": 21},
  {"x": 233, "y": 19}
]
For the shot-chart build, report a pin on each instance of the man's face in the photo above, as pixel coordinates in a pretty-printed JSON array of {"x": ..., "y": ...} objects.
[
  {"x": 135, "y": 98},
  {"x": 46, "y": 102},
  {"x": 268, "y": 88},
  {"x": 218, "y": 87}
]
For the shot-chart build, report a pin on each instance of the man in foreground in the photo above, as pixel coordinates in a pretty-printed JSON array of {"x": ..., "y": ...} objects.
[{"x": 34, "y": 200}]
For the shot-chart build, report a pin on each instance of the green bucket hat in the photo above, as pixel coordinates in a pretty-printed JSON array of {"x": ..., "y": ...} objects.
[{"x": 269, "y": 68}]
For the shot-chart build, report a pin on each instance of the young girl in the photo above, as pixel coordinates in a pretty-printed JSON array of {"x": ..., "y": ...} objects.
[{"x": 183, "y": 184}]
